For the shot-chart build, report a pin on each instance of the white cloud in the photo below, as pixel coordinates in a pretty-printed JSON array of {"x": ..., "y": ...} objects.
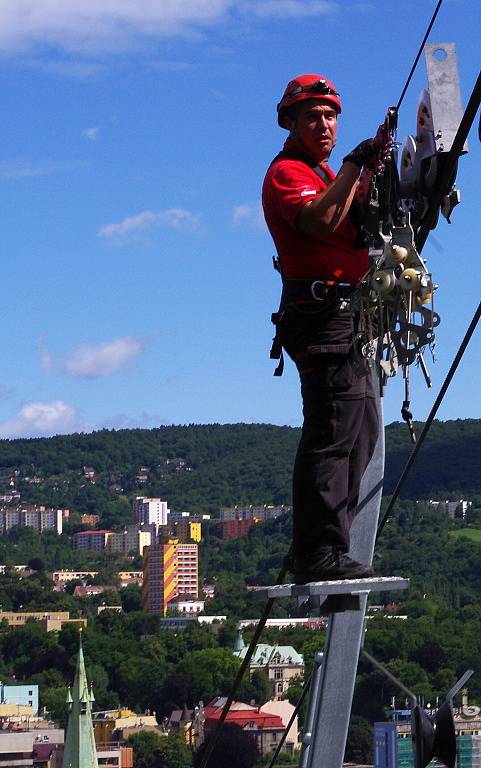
[
  {"x": 175, "y": 218},
  {"x": 90, "y": 361},
  {"x": 41, "y": 420},
  {"x": 107, "y": 26},
  {"x": 248, "y": 214},
  {"x": 285, "y": 9},
  {"x": 91, "y": 134},
  {"x": 23, "y": 170}
]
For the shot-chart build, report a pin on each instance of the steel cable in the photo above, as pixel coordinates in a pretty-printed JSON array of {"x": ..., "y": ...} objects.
[
  {"x": 406, "y": 86},
  {"x": 429, "y": 420},
  {"x": 270, "y": 602}
]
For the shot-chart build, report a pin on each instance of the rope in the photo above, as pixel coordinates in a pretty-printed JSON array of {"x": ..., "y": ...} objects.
[
  {"x": 419, "y": 54},
  {"x": 304, "y": 691},
  {"x": 434, "y": 409},
  {"x": 240, "y": 673},
  {"x": 268, "y": 607}
]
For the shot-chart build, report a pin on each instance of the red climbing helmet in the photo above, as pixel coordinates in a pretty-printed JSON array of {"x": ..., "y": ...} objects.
[{"x": 307, "y": 87}]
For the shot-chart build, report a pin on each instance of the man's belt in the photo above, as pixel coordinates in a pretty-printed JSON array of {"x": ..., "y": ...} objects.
[{"x": 302, "y": 291}]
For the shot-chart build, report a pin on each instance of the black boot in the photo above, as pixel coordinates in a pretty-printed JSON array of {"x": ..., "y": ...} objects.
[{"x": 329, "y": 564}]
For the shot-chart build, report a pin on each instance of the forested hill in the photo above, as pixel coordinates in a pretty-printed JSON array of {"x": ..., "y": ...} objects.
[{"x": 202, "y": 467}]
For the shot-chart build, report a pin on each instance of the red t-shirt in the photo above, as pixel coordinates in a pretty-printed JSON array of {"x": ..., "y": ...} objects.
[{"x": 288, "y": 185}]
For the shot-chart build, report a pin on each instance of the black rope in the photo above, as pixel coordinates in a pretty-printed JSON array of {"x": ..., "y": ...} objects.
[
  {"x": 434, "y": 409},
  {"x": 419, "y": 53},
  {"x": 303, "y": 695},
  {"x": 240, "y": 673}
]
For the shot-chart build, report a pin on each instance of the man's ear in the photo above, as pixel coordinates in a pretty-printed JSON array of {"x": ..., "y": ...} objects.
[{"x": 290, "y": 124}]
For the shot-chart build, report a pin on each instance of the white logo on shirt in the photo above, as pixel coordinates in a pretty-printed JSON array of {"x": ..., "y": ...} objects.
[{"x": 308, "y": 192}]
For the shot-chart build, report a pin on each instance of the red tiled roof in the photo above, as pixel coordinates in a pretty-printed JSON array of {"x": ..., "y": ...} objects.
[{"x": 242, "y": 717}]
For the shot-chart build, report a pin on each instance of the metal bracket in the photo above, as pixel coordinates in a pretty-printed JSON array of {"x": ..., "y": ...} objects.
[{"x": 445, "y": 93}]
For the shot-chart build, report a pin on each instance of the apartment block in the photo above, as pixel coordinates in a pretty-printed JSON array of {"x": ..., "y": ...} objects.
[
  {"x": 150, "y": 511},
  {"x": 31, "y": 516},
  {"x": 131, "y": 540},
  {"x": 62, "y": 577},
  {"x": 171, "y": 569},
  {"x": 95, "y": 541},
  {"x": 160, "y": 580},
  {"x": 185, "y": 530},
  {"x": 51, "y": 620},
  {"x": 259, "y": 513}
]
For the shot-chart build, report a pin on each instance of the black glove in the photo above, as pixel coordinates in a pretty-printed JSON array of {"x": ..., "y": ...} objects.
[{"x": 362, "y": 154}]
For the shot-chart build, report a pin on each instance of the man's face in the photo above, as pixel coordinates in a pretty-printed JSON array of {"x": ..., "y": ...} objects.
[{"x": 316, "y": 127}]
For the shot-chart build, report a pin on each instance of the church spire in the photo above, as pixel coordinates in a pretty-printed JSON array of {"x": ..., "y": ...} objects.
[{"x": 80, "y": 750}]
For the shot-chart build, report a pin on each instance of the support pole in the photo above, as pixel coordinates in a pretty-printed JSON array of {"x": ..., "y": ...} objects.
[{"x": 331, "y": 698}]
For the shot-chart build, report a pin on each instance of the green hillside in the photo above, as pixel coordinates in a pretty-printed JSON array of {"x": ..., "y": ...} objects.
[{"x": 203, "y": 467}]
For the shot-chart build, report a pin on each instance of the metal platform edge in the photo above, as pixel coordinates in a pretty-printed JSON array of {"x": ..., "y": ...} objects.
[{"x": 341, "y": 587}]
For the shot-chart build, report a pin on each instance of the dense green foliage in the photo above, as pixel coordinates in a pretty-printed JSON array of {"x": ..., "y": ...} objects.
[
  {"x": 153, "y": 751},
  {"x": 203, "y": 467},
  {"x": 435, "y": 639}
]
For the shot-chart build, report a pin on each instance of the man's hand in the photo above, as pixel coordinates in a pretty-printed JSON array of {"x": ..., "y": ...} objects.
[{"x": 364, "y": 154}]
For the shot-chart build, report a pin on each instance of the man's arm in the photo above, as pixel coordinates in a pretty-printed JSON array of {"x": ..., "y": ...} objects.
[{"x": 324, "y": 214}]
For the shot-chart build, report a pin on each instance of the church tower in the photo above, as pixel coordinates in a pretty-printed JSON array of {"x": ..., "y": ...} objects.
[{"x": 80, "y": 750}]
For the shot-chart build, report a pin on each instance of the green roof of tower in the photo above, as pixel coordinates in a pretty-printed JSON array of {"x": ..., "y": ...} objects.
[{"x": 80, "y": 750}]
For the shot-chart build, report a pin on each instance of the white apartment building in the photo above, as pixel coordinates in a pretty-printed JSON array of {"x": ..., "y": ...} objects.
[
  {"x": 150, "y": 511},
  {"x": 31, "y": 516}
]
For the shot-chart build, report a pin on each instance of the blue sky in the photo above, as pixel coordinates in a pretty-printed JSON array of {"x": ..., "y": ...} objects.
[{"x": 137, "y": 279}]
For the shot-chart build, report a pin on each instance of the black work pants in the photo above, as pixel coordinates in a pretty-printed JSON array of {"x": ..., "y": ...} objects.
[{"x": 339, "y": 432}]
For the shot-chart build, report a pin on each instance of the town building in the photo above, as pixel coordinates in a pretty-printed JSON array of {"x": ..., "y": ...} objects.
[
  {"x": 17, "y": 568},
  {"x": 95, "y": 541},
  {"x": 452, "y": 509},
  {"x": 237, "y": 521},
  {"x": 259, "y": 513},
  {"x": 266, "y": 727},
  {"x": 185, "y": 530},
  {"x": 19, "y": 696},
  {"x": 31, "y": 516},
  {"x": 113, "y": 725},
  {"x": 63, "y": 577},
  {"x": 279, "y": 662},
  {"x": 150, "y": 511},
  {"x": 51, "y": 620},
  {"x": 131, "y": 540},
  {"x": 171, "y": 569},
  {"x": 393, "y": 746},
  {"x": 29, "y": 748},
  {"x": 183, "y": 605},
  {"x": 91, "y": 520},
  {"x": 130, "y": 577},
  {"x": 188, "y": 724}
]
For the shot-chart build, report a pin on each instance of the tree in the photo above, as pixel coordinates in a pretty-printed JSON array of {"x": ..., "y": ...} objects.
[
  {"x": 173, "y": 752},
  {"x": 359, "y": 741},
  {"x": 55, "y": 700},
  {"x": 144, "y": 744},
  {"x": 235, "y": 748},
  {"x": 152, "y": 750}
]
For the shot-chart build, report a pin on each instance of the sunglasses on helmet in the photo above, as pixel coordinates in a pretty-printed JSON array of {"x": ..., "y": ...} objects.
[{"x": 320, "y": 86}]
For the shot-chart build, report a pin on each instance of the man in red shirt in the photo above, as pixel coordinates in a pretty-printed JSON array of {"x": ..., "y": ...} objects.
[{"x": 309, "y": 212}]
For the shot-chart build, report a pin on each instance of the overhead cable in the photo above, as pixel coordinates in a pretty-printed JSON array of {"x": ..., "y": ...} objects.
[
  {"x": 438, "y": 6},
  {"x": 429, "y": 420},
  {"x": 240, "y": 673}
]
